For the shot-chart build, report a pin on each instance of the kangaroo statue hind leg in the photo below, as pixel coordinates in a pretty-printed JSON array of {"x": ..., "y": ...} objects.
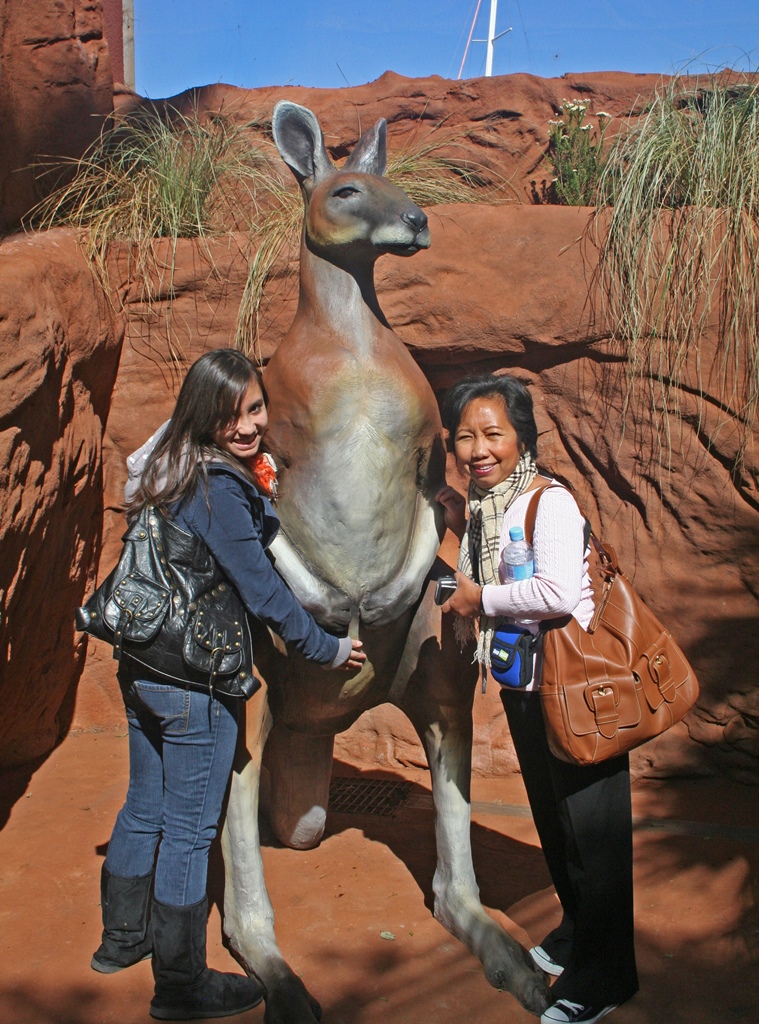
[{"x": 355, "y": 429}]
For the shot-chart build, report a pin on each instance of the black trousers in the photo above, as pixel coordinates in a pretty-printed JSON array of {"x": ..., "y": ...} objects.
[{"x": 583, "y": 816}]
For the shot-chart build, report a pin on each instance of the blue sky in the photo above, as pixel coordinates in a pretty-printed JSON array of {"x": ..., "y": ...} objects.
[{"x": 251, "y": 43}]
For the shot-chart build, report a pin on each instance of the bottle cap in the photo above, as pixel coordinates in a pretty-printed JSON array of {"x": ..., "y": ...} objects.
[{"x": 516, "y": 533}]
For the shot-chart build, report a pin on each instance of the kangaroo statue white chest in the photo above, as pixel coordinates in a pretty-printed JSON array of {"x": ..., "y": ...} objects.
[{"x": 355, "y": 430}]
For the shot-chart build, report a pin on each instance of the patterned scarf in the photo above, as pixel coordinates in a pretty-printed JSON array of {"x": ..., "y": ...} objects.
[{"x": 478, "y": 555}]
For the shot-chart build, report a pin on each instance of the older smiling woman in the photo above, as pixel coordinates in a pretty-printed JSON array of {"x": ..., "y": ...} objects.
[{"x": 582, "y": 814}]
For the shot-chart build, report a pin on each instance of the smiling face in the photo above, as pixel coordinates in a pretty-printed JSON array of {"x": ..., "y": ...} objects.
[
  {"x": 241, "y": 437},
  {"x": 486, "y": 445}
]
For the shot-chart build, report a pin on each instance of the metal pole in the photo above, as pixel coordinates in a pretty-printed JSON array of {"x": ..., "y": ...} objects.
[
  {"x": 491, "y": 38},
  {"x": 469, "y": 40},
  {"x": 127, "y": 29}
]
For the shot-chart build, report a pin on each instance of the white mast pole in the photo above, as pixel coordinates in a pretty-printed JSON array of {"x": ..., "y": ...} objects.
[
  {"x": 491, "y": 38},
  {"x": 127, "y": 38}
]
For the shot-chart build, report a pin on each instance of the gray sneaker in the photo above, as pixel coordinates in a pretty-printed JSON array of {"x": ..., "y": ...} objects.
[{"x": 542, "y": 960}]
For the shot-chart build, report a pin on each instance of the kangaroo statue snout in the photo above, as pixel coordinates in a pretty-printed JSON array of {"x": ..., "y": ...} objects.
[{"x": 355, "y": 429}]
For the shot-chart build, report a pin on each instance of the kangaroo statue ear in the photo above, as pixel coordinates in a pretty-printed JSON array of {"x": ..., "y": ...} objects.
[
  {"x": 369, "y": 155},
  {"x": 300, "y": 142}
]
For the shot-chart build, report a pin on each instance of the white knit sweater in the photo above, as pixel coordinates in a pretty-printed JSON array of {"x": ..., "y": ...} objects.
[{"x": 561, "y": 584}]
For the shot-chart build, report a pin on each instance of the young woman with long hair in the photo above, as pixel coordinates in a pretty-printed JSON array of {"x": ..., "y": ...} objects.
[{"x": 207, "y": 474}]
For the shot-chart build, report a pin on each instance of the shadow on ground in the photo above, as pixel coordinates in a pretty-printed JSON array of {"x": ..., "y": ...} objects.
[{"x": 354, "y": 916}]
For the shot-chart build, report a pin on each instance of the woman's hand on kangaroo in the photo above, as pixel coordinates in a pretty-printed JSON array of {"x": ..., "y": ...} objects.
[{"x": 356, "y": 659}]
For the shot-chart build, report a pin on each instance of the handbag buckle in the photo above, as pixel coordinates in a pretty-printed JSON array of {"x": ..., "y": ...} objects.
[
  {"x": 661, "y": 670},
  {"x": 606, "y": 690},
  {"x": 603, "y": 700},
  {"x": 656, "y": 664}
]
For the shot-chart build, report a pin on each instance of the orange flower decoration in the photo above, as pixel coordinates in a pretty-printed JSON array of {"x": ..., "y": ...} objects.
[{"x": 264, "y": 473}]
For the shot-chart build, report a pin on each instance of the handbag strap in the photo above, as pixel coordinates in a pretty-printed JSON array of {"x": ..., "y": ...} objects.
[
  {"x": 529, "y": 529},
  {"x": 532, "y": 513},
  {"x": 605, "y": 554}
]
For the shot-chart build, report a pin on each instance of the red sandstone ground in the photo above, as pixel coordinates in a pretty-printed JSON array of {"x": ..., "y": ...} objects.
[{"x": 696, "y": 906}]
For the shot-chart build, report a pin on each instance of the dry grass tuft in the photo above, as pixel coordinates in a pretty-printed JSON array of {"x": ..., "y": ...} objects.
[
  {"x": 158, "y": 174},
  {"x": 681, "y": 253}
]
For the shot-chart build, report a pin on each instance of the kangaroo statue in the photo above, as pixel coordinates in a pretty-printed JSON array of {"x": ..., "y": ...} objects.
[{"x": 355, "y": 431}]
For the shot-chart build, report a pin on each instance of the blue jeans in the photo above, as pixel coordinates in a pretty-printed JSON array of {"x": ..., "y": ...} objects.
[{"x": 181, "y": 746}]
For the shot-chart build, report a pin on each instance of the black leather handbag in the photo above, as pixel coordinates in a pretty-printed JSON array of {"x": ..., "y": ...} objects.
[{"x": 168, "y": 607}]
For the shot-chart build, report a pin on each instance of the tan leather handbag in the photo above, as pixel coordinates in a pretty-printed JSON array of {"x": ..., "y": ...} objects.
[{"x": 622, "y": 681}]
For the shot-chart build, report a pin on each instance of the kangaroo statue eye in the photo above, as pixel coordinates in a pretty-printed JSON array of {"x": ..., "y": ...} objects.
[{"x": 345, "y": 192}]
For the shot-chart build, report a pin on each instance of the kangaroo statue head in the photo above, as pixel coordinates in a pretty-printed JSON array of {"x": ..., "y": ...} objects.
[{"x": 353, "y": 215}]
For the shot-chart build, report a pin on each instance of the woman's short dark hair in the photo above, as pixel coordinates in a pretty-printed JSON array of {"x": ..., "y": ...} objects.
[
  {"x": 515, "y": 396},
  {"x": 208, "y": 401}
]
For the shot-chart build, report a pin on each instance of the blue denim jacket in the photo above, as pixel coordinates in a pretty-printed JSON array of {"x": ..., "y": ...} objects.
[{"x": 238, "y": 524}]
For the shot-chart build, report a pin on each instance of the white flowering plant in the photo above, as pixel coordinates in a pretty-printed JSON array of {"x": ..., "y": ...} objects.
[{"x": 575, "y": 149}]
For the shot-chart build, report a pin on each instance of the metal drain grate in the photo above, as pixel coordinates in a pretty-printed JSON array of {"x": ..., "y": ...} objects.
[{"x": 367, "y": 796}]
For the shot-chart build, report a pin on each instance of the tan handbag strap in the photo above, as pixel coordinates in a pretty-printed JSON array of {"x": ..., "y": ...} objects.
[
  {"x": 608, "y": 557},
  {"x": 532, "y": 509}
]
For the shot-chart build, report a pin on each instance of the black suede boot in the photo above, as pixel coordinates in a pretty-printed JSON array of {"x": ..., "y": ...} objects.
[
  {"x": 185, "y": 988},
  {"x": 125, "y": 903}
]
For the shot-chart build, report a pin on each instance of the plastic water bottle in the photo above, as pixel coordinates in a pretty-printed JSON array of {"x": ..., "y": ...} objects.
[{"x": 518, "y": 557}]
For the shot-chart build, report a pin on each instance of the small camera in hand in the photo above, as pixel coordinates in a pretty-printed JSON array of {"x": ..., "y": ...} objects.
[{"x": 444, "y": 588}]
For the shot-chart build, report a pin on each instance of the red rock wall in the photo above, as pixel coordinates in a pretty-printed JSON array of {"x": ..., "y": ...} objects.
[
  {"x": 498, "y": 126},
  {"x": 55, "y": 91},
  {"x": 113, "y": 25},
  {"x": 58, "y": 360}
]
